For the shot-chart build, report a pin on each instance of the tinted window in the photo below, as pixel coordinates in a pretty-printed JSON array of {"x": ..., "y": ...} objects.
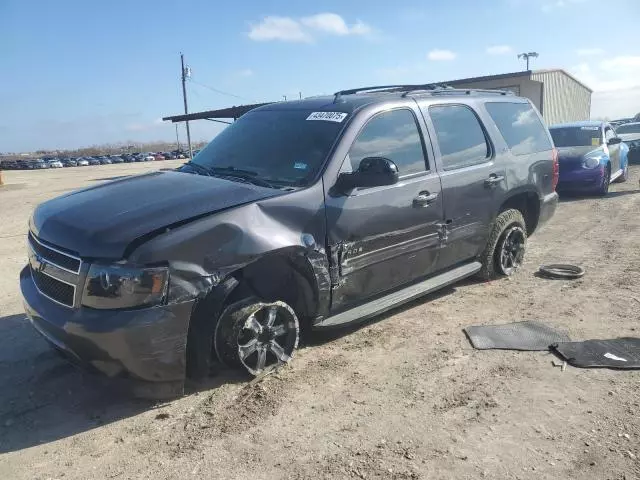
[
  {"x": 520, "y": 127},
  {"x": 460, "y": 136},
  {"x": 393, "y": 135},
  {"x": 278, "y": 145},
  {"x": 631, "y": 128},
  {"x": 576, "y": 136}
]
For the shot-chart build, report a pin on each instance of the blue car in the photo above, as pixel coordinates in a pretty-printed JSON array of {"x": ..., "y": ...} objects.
[{"x": 591, "y": 156}]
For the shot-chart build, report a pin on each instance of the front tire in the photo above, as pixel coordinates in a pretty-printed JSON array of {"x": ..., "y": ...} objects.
[
  {"x": 256, "y": 336},
  {"x": 505, "y": 248},
  {"x": 606, "y": 181}
]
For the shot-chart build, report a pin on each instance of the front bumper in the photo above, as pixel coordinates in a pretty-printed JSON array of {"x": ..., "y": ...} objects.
[
  {"x": 145, "y": 345},
  {"x": 580, "y": 179}
]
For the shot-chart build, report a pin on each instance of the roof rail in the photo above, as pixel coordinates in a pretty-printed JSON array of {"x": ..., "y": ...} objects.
[
  {"x": 385, "y": 88},
  {"x": 427, "y": 88},
  {"x": 458, "y": 91}
]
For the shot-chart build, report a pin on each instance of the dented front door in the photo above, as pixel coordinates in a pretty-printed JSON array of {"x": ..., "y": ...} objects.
[{"x": 383, "y": 237}]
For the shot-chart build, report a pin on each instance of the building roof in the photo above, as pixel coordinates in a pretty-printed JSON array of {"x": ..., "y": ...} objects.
[
  {"x": 231, "y": 112},
  {"x": 552, "y": 70},
  {"x": 453, "y": 83}
]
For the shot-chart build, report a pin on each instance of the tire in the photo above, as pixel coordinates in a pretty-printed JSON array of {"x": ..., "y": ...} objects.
[
  {"x": 256, "y": 336},
  {"x": 508, "y": 223},
  {"x": 606, "y": 181},
  {"x": 625, "y": 174}
]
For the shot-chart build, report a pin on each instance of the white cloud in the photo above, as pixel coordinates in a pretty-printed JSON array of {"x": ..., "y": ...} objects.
[
  {"x": 499, "y": 50},
  {"x": 550, "y": 6},
  {"x": 334, "y": 24},
  {"x": 285, "y": 29},
  {"x": 145, "y": 126},
  {"x": 289, "y": 29},
  {"x": 437, "y": 54},
  {"x": 245, "y": 72},
  {"x": 615, "y": 83},
  {"x": 589, "y": 52}
]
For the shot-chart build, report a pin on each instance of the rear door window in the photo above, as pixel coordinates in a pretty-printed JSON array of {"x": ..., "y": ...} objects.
[
  {"x": 460, "y": 136},
  {"x": 520, "y": 127}
]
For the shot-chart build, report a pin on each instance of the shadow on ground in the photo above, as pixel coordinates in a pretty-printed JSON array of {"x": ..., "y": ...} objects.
[
  {"x": 566, "y": 197},
  {"x": 44, "y": 398}
]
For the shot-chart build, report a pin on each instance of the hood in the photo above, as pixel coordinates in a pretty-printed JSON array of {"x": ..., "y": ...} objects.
[
  {"x": 102, "y": 221},
  {"x": 628, "y": 137},
  {"x": 565, "y": 153}
]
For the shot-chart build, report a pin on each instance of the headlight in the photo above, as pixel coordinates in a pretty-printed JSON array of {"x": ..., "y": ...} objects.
[
  {"x": 122, "y": 286},
  {"x": 591, "y": 162}
]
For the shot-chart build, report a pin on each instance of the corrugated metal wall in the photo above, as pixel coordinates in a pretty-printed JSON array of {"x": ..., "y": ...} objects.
[{"x": 564, "y": 99}]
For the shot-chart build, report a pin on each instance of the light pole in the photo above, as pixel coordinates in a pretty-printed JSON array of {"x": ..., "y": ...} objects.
[
  {"x": 186, "y": 73},
  {"x": 527, "y": 56}
]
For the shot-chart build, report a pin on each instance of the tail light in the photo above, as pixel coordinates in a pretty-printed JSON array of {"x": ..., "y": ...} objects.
[{"x": 556, "y": 168}]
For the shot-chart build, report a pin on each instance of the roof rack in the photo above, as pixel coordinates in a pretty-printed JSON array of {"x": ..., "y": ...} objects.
[{"x": 427, "y": 88}]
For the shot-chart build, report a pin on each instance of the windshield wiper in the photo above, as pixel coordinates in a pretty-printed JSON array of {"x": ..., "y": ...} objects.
[
  {"x": 246, "y": 175},
  {"x": 197, "y": 167}
]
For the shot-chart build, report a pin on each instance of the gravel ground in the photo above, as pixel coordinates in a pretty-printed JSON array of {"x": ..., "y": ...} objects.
[{"x": 401, "y": 397}]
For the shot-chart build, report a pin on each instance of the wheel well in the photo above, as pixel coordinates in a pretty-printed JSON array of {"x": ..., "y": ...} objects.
[
  {"x": 286, "y": 276},
  {"x": 528, "y": 204}
]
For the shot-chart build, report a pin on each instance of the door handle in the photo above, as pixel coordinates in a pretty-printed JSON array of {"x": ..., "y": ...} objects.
[
  {"x": 424, "y": 199},
  {"x": 493, "y": 180}
]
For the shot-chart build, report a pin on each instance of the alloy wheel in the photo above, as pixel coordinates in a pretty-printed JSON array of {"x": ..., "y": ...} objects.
[{"x": 511, "y": 250}]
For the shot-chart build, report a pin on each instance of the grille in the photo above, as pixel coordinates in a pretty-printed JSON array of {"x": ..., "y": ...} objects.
[
  {"x": 54, "y": 289},
  {"x": 56, "y": 257}
]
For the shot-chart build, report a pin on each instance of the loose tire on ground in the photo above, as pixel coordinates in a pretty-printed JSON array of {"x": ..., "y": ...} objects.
[{"x": 490, "y": 258}]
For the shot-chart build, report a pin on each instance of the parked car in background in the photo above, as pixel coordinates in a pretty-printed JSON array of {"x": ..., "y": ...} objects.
[
  {"x": 168, "y": 156},
  {"x": 93, "y": 161},
  {"x": 148, "y": 157},
  {"x": 105, "y": 161},
  {"x": 55, "y": 163},
  {"x": 591, "y": 156},
  {"x": 128, "y": 158},
  {"x": 82, "y": 162},
  {"x": 630, "y": 134},
  {"x": 116, "y": 159},
  {"x": 158, "y": 156},
  {"x": 316, "y": 214},
  {"x": 69, "y": 162},
  {"x": 39, "y": 164},
  {"x": 8, "y": 165}
]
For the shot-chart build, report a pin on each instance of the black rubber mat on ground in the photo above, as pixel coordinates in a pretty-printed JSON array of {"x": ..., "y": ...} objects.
[
  {"x": 620, "y": 353},
  {"x": 515, "y": 336}
]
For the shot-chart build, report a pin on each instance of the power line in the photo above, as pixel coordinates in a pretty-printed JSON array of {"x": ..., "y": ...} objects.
[{"x": 220, "y": 91}]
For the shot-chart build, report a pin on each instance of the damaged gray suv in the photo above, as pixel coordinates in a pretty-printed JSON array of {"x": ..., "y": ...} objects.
[{"x": 301, "y": 215}]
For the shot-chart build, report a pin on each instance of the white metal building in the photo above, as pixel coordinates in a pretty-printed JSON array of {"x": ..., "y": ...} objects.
[{"x": 559, "y": 96}]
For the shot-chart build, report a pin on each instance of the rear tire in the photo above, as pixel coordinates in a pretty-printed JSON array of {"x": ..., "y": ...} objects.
[{"x": 505, "y": 248}]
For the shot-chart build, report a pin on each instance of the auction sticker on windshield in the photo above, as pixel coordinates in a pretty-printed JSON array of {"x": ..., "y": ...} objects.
[{"x": 328, "y": 116}]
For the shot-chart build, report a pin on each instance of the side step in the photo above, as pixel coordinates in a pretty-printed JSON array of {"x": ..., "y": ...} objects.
[
  {"x": 616, "y": 175},
  {"x": 381, "y": 305}
]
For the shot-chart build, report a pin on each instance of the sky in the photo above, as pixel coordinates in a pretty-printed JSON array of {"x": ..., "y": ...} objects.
[{"x": 77, "y": 73}]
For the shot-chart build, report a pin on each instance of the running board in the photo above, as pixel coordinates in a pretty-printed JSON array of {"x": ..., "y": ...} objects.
[
  {"x": 383, "y": 304},
  {"x": 616, "y": 175}
]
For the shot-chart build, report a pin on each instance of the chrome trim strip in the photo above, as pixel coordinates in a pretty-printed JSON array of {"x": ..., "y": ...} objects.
[{"x": 32, "y": 236}]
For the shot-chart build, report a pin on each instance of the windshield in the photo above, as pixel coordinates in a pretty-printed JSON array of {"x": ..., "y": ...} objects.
[
  {"x": 576, "y": 136},
  {"x": 631, "y": 128},
  {"x": 279, "y": 146}
]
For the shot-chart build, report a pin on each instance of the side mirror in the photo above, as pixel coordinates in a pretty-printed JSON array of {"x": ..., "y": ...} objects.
[
  {"x": 614, "y": 141},
  {"x": 372, "y": 172}
]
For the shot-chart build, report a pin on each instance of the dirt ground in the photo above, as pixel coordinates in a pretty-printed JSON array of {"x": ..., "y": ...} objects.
[{"x": 401, "y": 397}]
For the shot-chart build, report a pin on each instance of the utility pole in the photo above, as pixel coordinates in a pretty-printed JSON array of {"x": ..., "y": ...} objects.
[
  {"x": 177, "y": 139},
  {"x": 186, "y": 72},
  {"x": 526, "y": 56}
]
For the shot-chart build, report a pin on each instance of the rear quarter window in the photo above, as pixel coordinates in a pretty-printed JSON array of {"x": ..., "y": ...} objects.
[{"x": 520, "y": 127}]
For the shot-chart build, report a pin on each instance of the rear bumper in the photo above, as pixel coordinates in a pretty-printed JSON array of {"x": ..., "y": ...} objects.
[
  {"x": 548, "y": 206},
  {"x": 579, "y": 180},
  {"x": 146, "y": 345}
]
